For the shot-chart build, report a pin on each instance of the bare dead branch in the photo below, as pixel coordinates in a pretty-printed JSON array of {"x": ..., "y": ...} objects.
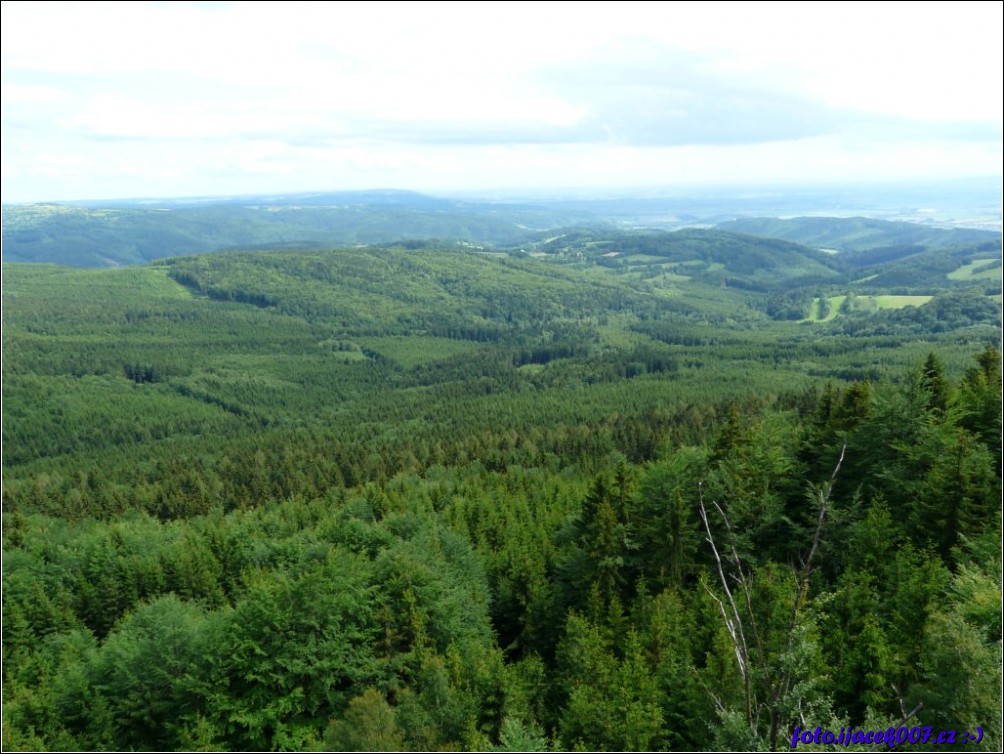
[
  {"x": 778, "y": 680},
  {"x": 718, "y": 702},
  {"x": 736, "y": 632},
  {"x": 824, "y": 504},
  {"x": 741, "y": 577}
]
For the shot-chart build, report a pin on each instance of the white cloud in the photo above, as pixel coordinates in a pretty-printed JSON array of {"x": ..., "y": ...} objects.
[
  {"x": 114, "y": 116},
  {"x": 416, "y": 94},
  {"x": 18, "y": 93}
]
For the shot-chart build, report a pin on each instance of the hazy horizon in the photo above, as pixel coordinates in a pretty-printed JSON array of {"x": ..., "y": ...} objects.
[
  {"x": 965, "y": 190},
  {"x": 152, "y": 100}
]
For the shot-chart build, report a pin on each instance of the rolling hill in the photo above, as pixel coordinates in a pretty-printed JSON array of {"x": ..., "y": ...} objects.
[
  {"x": 439, "y": 499},
  {"x": 854, "y": 235},
  {"x": 954, "y": 266},
  {"x": 116, "y": 234}
]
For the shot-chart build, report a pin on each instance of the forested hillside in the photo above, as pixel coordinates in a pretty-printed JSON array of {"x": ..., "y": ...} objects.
[
  {"x": 114, "y": 234},
  {"x": 856, "y": 234},
  {"x": 607, "y": 492}
]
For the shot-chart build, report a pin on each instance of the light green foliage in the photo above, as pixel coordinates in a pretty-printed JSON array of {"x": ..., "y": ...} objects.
[
  {"x": 368, "y": 724},
  {"x": 960, "y": 657},
  {"x": 613, "y": 703},
  {"x": 516, "y": 736}
]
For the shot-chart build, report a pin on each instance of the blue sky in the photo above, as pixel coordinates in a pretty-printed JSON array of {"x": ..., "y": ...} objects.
[{"x": 193, "y": 99}]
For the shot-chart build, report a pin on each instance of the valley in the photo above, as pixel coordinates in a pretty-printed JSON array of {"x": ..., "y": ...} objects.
[{"x": 436, "y": 495}]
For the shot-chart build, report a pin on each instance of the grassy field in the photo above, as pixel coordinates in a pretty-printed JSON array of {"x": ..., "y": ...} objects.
[
  {"x": 865, "y": 303},
  {"x": 412, "y": 350},
  {"x": 976, "y": 270},
  {"x": 898, "y": 302}
]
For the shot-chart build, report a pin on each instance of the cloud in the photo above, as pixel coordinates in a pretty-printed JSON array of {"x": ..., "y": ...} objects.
[
  {"x": 902, "y": 129},
  {"x": 30, "y": 93},
  {"x": 119, "y": 117},
  {"x": 313, "y": 95},
  {"x": 679, "y": 113},
  {"x": 644, "y": 93}
]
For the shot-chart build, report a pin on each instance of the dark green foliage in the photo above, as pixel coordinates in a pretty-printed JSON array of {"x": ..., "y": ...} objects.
[
  {"x": 297, "y": 649},
  {"x": 667, "y": 529},
  {"x": 929, "y": 270},
  {"x": 435, "y": 500},
  {"x": 144, "y": 673},
  {"x": 792, "y": 305},
  {"x": 933, "y": 380}
]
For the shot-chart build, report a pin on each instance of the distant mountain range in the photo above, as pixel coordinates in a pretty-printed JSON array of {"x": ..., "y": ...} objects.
[
  {"x": 111, "y": 234},
  {"x": 856, "y": 234},
  {"x": 117, "y": 234}
]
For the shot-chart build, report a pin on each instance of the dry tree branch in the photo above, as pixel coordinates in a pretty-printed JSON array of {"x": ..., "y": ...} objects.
[
  {"x": 736, "y": 632},
  {"x": 741, "y": 577},
  {"x": 778, "y": 684},
  {"x": 783, "y": 685},
  {"x": 718, "y": 702}
]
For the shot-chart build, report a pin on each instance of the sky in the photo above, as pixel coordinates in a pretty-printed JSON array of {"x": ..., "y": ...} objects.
[{"x": 166, "y": 99}]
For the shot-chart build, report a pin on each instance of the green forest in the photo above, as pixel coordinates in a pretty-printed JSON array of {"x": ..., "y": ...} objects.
[{"x": 597, "y": 491}]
